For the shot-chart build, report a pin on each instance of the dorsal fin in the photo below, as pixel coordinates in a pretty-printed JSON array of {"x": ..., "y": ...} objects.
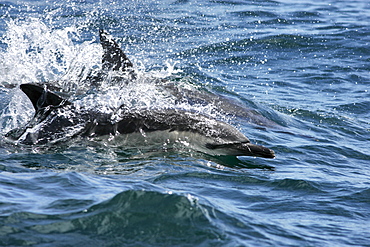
[
  {"x": 113, "y": 58},
  {"x": 40, "y": 97}
]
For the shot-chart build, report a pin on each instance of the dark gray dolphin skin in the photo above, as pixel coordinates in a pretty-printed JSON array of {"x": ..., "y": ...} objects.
[{"x": 56, "y": 118}]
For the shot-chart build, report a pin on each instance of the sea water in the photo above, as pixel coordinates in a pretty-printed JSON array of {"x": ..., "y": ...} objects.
[{"x": 303, "y": 65}]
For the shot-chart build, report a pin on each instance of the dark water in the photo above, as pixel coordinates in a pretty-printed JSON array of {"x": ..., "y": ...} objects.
[{"x": 303, "y": 65}]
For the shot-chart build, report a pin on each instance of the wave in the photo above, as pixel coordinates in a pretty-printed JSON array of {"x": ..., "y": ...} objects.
[{"x": 129, "y": 218}]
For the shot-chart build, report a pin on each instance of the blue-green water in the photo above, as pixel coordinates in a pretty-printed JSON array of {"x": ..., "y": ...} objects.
[{"x": 304, "y": 65}]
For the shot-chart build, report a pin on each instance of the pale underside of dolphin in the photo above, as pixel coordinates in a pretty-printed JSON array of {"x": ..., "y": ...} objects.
[{"x": 56, "y": 118}]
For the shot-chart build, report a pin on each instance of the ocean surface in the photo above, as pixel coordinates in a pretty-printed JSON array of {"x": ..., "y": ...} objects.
[{"x": 301, "y": 67}]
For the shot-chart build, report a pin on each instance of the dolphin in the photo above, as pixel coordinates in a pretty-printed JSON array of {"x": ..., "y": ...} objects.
[
  {"x": 114, "y": 59},
  {"x": 57, "y": 119}
]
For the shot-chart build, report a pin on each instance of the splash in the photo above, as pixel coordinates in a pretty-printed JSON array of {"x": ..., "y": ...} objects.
[
  {"x": 16, "y": 111},
  {"x": 37, "y": 53}
]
